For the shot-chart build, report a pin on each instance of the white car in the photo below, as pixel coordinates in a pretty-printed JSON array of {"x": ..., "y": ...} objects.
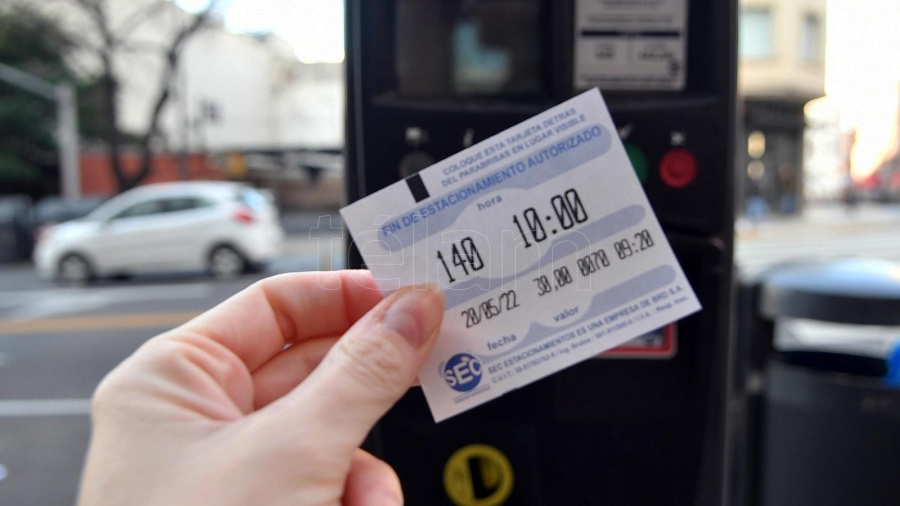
[{"x": 226, "y": 228}]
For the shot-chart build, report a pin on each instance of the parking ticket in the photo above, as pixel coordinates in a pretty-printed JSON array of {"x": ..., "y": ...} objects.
[{"x": 546, "y": 247}]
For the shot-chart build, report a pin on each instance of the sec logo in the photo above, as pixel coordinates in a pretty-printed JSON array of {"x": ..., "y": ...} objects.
[{"x": 462, "y": 372}]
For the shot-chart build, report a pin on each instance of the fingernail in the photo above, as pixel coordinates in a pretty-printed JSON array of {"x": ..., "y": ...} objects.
[{"x": 416, "y": 313}]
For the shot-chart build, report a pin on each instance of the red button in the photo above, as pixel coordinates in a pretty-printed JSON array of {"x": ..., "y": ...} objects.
[{"x": 678, "y": 168}]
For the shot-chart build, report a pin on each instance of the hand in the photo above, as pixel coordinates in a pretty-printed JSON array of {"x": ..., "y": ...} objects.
[{"x": 261, "y": 401}]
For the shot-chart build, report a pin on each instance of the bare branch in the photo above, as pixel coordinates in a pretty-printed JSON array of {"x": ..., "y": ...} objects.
[
  {"x": 96, "y": 10},
  {"x": 141, "y": 47},
  {"x": 116, "y": 41},
  {"x": 140, "y": 16},
  {"x": 171, "y": 59}
]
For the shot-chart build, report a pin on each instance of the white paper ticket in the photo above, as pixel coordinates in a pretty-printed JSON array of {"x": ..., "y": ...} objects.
[{"x": 545, "y": 245}]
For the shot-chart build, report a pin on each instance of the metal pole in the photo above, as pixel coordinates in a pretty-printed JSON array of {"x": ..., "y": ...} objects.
[
  {"x": 184, "y": 172},
  {"x": 27, "y": 81},
  {"x": 67, "y": 135},
  {"x": 66, "y": 123}
]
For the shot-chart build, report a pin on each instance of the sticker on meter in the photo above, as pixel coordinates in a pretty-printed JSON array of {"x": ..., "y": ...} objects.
[
  {"x": 630, "y": 45},
  {"x": 545, "y": 245}
]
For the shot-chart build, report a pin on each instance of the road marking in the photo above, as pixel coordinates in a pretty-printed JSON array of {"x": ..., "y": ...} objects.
[
  {"x": 45, "y": 407},
  {"x": 106, "y": 322},
  {"x": 59, "y": 302},
  {"x": 3, "y": 472}
]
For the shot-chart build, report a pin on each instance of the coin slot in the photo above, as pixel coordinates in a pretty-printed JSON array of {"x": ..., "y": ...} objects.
[{"x": 478, "y": 475}]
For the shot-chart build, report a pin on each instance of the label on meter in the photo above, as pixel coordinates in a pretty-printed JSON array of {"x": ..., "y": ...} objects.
[
  {"x": 659, "y": 344},
  {"x": 545, "y": 244},
  {"x": 630, "y": 44}
]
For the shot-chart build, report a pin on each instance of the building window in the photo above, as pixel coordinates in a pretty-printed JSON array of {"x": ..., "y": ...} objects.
[
  {"x": 756, "y": 33},
  {"x": 811, "y": 37}
]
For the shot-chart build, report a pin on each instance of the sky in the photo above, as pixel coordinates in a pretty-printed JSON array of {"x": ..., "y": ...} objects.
[
  {"x": 862, "y": 47},
  {"x": 862, "y": 75},
  {"x": 313, "y": 28}
]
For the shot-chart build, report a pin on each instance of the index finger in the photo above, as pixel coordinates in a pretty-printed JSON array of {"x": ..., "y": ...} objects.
[{"x": 256, "y": 323}]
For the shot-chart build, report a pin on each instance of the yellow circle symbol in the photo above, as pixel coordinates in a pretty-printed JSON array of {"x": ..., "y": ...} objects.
[{"x": 478, "y": 475}]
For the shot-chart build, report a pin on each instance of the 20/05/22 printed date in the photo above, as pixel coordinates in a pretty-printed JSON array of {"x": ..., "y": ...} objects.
[{"x": 506, "y": 301}]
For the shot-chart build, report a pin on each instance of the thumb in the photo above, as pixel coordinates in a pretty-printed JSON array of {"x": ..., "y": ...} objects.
[{"x": 369, "y": 368}]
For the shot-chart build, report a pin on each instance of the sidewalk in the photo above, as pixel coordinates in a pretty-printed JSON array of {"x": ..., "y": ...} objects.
[
  {"x": 815, "y": 217},
  {"x": 821, "y": 232}
]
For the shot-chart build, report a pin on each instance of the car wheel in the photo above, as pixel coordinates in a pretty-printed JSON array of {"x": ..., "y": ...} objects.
[
  {"x": 74, "y": 269},
  {"x": 226, "y": 263},
  {"x": 257, "y": 267}
]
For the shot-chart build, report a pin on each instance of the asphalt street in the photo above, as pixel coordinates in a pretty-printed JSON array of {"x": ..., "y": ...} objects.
[{"x": 57, "y": 343}]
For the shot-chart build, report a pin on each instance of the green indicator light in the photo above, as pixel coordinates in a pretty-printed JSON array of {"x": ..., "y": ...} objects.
[{"x": 638, "y": 161}]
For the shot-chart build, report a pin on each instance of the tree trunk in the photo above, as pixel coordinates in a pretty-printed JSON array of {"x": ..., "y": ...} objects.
[
  {"x": 171, "y": 69},
  {"x": 153, "y": 127},
  {"x": 113, "y": 136},
  {"x": 113, "y": 43}
]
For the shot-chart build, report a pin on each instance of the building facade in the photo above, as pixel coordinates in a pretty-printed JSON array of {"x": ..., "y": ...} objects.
[
  {"x": 781, "y": 69},
  {"x": 231, "y": 91},
  {"x": 235, "y": 96}
]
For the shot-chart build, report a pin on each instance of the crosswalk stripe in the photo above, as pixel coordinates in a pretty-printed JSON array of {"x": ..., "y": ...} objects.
[{"x": 44, "y": 407}]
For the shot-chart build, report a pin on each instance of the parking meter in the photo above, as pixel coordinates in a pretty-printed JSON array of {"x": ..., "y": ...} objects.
[{"x": 644, "y": 423}]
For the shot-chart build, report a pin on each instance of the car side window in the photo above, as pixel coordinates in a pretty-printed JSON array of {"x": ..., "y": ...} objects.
[
  {"x": 145, "y": 208},
  {"x": 184, "y": 204}
]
